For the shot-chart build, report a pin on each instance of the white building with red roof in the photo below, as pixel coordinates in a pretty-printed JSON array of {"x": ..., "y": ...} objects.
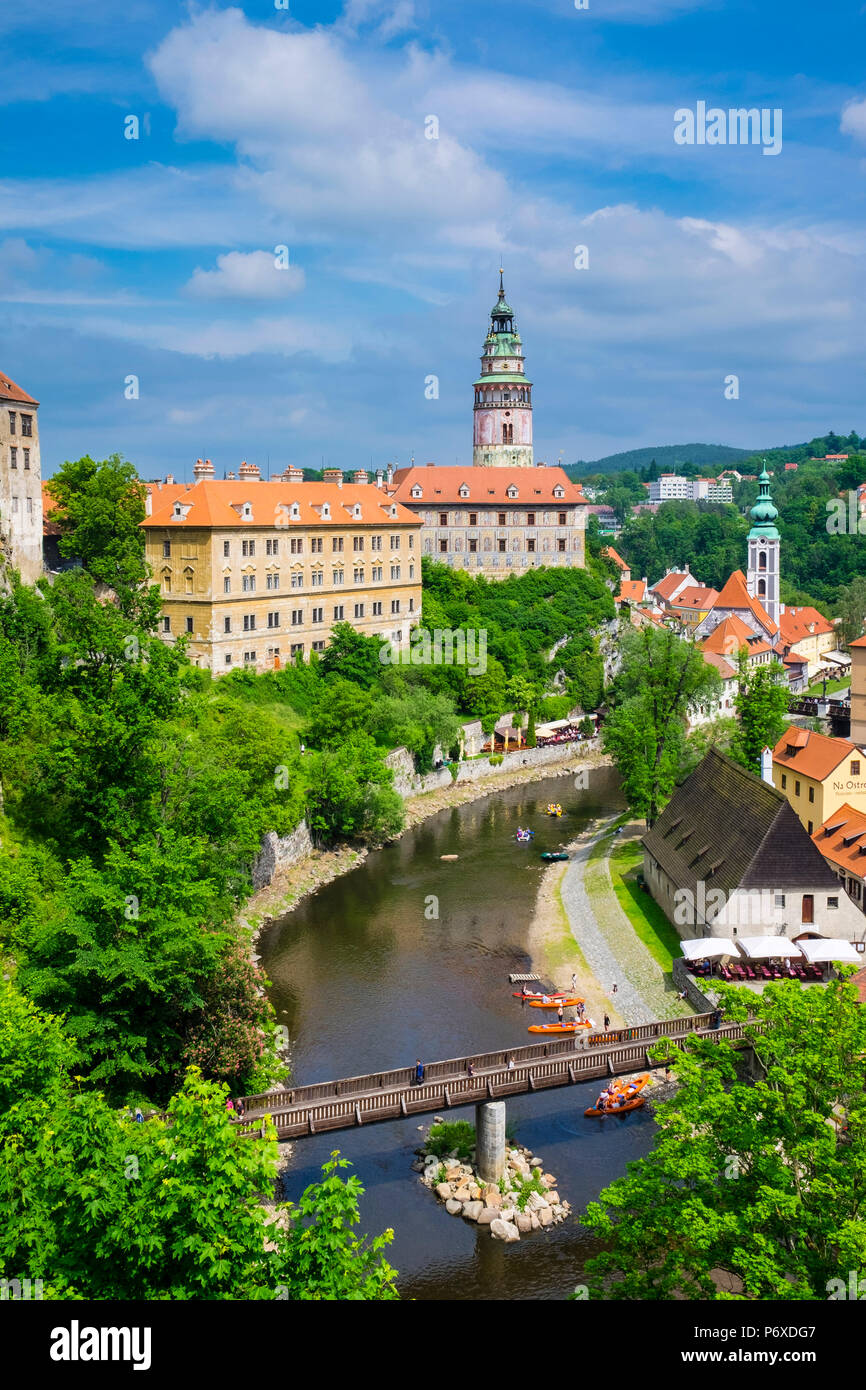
[{"x": 20, "y": 481}]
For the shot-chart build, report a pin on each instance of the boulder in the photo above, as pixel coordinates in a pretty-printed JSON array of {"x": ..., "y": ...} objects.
[
  {"x": 453, "y": 1207},
  {"x": 533, "y": 1217},
  {"x": 504, "y": 1230},
  {"x": 558, "y": 1211},
  {"x": 443, "y": 1190},
  {"x": 492, "y": 1197},
  {"x": 508, "y": 1213},
  {"x": 553, "y": 1198},
  {"x": 536, "y": 1202},
  {"x": 487, "y": 1215},
  {"x": 453, "y": 1173},
  {"x": 523, "y": 1222},
  {"x": 417, "y": 1166},
  {"x": 473, "y": 1210},
  {"x": 474, "y": 1191},
  {"x": 548, "y": 1179},
  {"x": 462, "y": 1194},
  {"x": 536, "y": 1163},
  {"x": 545, "y": 1216}
]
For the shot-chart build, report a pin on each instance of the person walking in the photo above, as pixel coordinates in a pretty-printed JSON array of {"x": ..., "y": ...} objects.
[
  {"x": 613, "y": 990},
  {"x": 606, "y": 1022},
  {"x": 559, "y": 1011},
  {"x": 419, "y": 1071},
  {"x": 573, "y": 983},
  {"x": 139, "y": 1118}
]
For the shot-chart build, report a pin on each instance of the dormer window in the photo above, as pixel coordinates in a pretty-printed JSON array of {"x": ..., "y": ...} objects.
[
  {"x": 295, "y": 511},
  {"x": 559, "y": 492},
  {"x": 464, "y": 491},
  {"x": 512, "y": 491},
  {"x": 247, "y": 512},
  {"x": 178, "y": 511},
  {"x": 393, "y": 510},
  {"x": 416, "y": 491},
  {"x": 356, "y": 511},
  {"x": 326, "y": 511}
]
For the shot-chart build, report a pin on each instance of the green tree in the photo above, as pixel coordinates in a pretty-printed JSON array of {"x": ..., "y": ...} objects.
[
  {"x": 100, "y": 507},
  {"x": 851, "y": 607},
  {"x": 353, "y": 656},
  {"x": 645, "y": 733},
  {"x": 754, "y": 1189},
  {"x": 761, "y": 703},
  {"x": 344, "y": 706},
  {"x": 350, "y": 793}
]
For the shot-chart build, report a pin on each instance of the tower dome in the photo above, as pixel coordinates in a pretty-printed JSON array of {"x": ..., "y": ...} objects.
[
  {"x": 764, "y": 514},
  {"x": 502, "y": 434}
]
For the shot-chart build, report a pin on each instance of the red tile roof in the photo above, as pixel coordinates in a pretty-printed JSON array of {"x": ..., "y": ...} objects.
[
  {"x": 728, "y": 637},
  {"x": 632, "y": 591},
  {"x": 617, "y": 559},
  {"x": 695, "y": 598},
  {"x": 10, "y": 392},
  {"x": 440, "y": 486},
  {"x": 721, "y": 663},
  {"x": 735, "y": 595},
  {"x": 794, "y": 624},
  {"x": 669, "y": 583},
  {"x": 860, "y": 642},
  {"x": 814, "y": 755},
  {"x": 845, "y": 824},
  {"x": 219, "y": 504}
]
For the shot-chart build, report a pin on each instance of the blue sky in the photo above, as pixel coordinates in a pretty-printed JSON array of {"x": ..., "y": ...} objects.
[{"x": 305, "y": 128}]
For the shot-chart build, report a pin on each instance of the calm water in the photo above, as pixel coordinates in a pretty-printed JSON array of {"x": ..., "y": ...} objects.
[{"x": 365, "y": 977}]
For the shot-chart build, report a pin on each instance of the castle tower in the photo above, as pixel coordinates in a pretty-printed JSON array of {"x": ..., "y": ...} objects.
[
  {"x": 762, "y": 576},
  {"x": 20, "y": 482},
  {"x": 502, "y": 436}
]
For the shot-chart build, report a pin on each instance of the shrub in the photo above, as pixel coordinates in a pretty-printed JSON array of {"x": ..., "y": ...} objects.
[
  {"x": 456, "y": 1136},
  {"x": 495, "y": 759}
]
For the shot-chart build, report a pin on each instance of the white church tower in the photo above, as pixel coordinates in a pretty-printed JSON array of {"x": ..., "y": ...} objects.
[{"x": 762, "y": 578}]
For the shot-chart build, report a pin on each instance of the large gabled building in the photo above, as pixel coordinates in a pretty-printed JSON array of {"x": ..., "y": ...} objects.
[{"x": 728, "y": 857}]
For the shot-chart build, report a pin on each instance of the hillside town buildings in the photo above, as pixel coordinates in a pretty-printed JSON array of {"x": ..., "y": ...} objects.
[
  {"x": 818, "y": 774},
  {"x": 20, "y": 481},
  {"x": 671, "y": 487}
]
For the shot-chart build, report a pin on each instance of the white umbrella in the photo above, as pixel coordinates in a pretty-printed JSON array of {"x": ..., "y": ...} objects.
[
  {"x": 767, "y": 947},
  {"x": 830, "y": 950},
  {"x": 708, "y": 948}
]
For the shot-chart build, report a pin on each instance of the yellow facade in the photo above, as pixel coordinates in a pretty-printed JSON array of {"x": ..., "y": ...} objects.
[
  {"x": 259, "y": 595},
  {"x": 816, "y": 800}
]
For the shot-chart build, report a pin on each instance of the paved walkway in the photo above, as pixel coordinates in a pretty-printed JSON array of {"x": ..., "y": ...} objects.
[{"x": 613, "y": 951}]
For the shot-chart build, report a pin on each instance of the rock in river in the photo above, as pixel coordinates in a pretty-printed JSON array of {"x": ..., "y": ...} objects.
[{"x": 503, "y": 1230}]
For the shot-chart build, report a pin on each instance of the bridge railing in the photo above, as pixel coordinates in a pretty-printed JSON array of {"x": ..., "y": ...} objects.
[{"x": 572, "y": 1046}]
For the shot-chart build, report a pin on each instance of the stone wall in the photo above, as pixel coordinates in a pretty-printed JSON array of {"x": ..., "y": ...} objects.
[
  {"x": 279, "y": 850},
  {"x": 408, "y": 783}
]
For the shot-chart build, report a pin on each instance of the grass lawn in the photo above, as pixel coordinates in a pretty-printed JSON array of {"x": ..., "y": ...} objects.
[
  {"x": 649, "y": 922},
  {"x": 285, "y": 714},
  {"x": 832, "y": 687}
]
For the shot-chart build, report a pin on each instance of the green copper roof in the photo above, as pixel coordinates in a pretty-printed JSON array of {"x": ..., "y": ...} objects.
[
  {"x": 503, "y": 378},
  {"x": 764, "y": 515}
]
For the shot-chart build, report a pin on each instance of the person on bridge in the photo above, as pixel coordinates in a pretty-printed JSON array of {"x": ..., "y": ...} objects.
[
  {"x": 240, "y": 1109},
  {"x": 606, "y": 1021},
  {"x": 510, "y": 1064},
  {"x": 419, "y": 1071},
  {"x": 470, "y": 1070}
]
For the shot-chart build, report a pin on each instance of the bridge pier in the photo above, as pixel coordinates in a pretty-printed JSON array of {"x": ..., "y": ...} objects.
[{"x": 490, "y": 1139}]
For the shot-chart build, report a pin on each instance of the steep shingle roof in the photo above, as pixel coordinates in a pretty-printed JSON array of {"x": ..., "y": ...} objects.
[
  {"x": 736, "y": 595},
  {"x": 731, "y": 830},
  {"x": 9, "y": 391},
  {"x": 207, "y": 504}
]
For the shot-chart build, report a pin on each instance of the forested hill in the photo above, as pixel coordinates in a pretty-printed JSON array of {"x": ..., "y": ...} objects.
[{"x": 667, "y": 456}]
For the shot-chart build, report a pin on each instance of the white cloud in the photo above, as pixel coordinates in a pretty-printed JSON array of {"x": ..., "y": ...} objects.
[
  {"x": 853, "y": 120},
  {"x": 246, "y": 275}
]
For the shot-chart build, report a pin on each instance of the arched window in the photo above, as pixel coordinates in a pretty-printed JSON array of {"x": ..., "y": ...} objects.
[
  {"x": 762, "y": 560},
  {"x": 762, "y": 588}
]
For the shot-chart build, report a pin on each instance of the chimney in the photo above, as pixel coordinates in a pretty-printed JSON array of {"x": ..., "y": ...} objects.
[
  {"x": 203, "y": 469},
  {"x": 231, "y": 477},
  {"x": 333, "y": 475},
  {"x": 390, "y": 475},
  {"x": 767, "y": 765},
  {"x": 359, "y": 475},
  {"x": 249, "y": 470},
  {"x": 169, "y": 477},
  {"x": 293, "y": 474},
  {"x": 378, "y": 477},
  {"x": 685, "y": 569}
]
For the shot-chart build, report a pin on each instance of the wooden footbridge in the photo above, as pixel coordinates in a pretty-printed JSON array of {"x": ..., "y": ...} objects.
[{"x": 390, "y": 1095}]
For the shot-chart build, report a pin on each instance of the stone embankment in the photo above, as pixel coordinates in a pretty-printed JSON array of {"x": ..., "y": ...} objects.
[{"x": 524, "y": 1200}]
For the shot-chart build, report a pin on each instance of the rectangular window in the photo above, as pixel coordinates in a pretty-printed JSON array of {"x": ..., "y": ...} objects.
[
  {"x": 443, "y": 547},
  {"x": 832, "y": 904},
  {"x": 29, "y": 505},
  {"x": 227, "y": 585},
  {"x": 318, "y": 646},
  {"x": 273, "y": 581},
  {"x": 187, "y": 583},
  {"x": 530, "y": 545},
  {"x": 296, "y": 649},
  {"x": 297, "y": 580},
  {"x": 339, "y": 576},
  {"x": 249, "y": 657},
  {"x": 395, "y": 571},
  {"x": 809, "y": 827},
  {"x": 317, "y": 579},
  {"x": 13, "y": 458},
  {"x": 248, "y": 547},
  {"x": 227, "y": 624},
  {"x": 272, "y": 547},
  {"x": 562, "y": 519},
  {"x": 395, "y": 542},
  {"x": 376, "y": 543},
  {"x": 501, "y": 521},
  {"x": 12, "y": 422},
  {"x": 337, "y": 543},
  {"x": 316, "y": 545},
  {"x": 501, "y": 545},
  {"x": 226, "y": 549},
  {"x": 811, "y": 793},
  {"x": 395, "y": 605},
  {"x": 473, "y": 547},
  {"x": 248, "y": 583},
  {"x": 297, "y": 617},
  {"x": 359, "y": 610},
  {"x": 27, "y": 458},
  {"x": 249, "y": 622},
  {"x": 273, "y": 620},
  {"x": 166, "y": 583},
  {"x": 166, "y": 624},
  {"x": 357, "y": 543},
  {"x": 377, "y": 574},
  {"x": 411, "y": 571},
  {"x": 443, "y": 518},
  {"x": 228, "y": 658},
  {"x": 560, "y": 545},
  {"x": 377, "y": 610},
  {"x": 189, "y": 624},
  {"x": 338, "y": 612},
  {"x": 473, "y": 518},
  {"x": 796, "y": 788},
  {"x": 166, "y": 550},
  {"x": 411, "y": 542},
  {"x": 784, "y": 781},
  {"x": 296, "y": 545},
  {"x": 318, "y": 615},
  {"x": 358, "y": 576},
  {"x": 855, "y": 767},
  {"x": 780, "y": 900},
  {"x": 530, "y": 518},
  {"x": 26, "y": 425},
  {"x": 411, "y": 605}
]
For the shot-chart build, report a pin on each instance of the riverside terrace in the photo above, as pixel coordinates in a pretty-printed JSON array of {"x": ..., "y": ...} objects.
[{"x": 361, "y": 1100}]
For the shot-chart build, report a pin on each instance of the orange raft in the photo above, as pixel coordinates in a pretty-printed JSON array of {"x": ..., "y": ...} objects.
[
  {"x": 618, "y": 1089},
  {"x": 553, "y": 1002},
  {"x": 559, "y": 1027},
  {"x": 633, "y": 1104}
]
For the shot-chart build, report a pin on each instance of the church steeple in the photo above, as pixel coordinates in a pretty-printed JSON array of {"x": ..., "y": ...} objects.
[
  {"x": 502, "y": 435},
  {"x": 762, "y": 579}
]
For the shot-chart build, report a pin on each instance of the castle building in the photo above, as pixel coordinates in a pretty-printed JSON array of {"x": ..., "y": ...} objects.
[
  {"x": 257, "y": 573},
  {"x": 502, "y": 433},
  {"x": 20, "y": 481}
]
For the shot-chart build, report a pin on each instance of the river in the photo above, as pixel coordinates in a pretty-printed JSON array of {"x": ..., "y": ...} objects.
[{"x": 365, "y": 976}]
